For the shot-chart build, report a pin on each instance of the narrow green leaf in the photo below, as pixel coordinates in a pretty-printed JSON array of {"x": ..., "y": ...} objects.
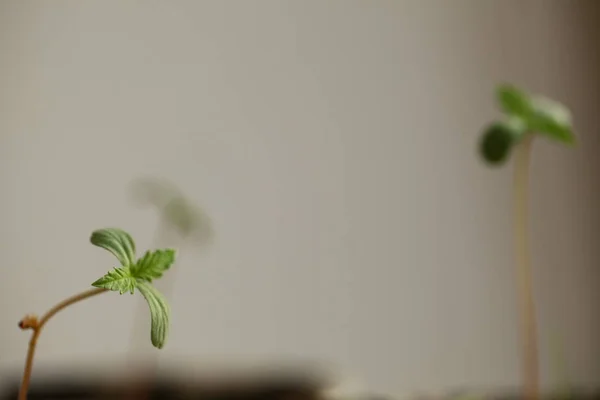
[
  {"x": 153, "y": 264},
  {"x": 159, "y": 313},
  {"x": 514, "y": 101},
  {"x": 118, "y": 280},
  {"x": 118, "y": 242}
]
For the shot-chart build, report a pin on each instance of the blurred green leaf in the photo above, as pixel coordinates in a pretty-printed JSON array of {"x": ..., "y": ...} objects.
[
  {"x": 552, "y": 119},
  {"x": 541, "y": 115},
  {"x": 499, "y": 139},
  {"x": 183, "y": 216},
  {"x": 514, "y": 101},
  {"x": 176, "y": 211}
]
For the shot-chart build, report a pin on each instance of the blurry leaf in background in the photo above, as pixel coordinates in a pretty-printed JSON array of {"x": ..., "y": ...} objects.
[
  {"x": 150, "y": 191},
  {"x": 176, "y": 212}
]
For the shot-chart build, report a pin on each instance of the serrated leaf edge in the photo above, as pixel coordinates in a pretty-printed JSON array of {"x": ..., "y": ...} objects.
[
  {"x": 137, "y": 272},
  {"x": 133, "y": 283}
]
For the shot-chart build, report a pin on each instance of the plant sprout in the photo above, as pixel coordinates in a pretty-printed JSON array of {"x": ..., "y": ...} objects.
[
  {"x": 525, "y": 117},
  {"x": 132, "y": 274}
]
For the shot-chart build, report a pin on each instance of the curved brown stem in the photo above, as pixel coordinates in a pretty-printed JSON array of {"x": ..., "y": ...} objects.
[
  {"x": 524, "y": 271},
  {"x": 36, "y": 325}
]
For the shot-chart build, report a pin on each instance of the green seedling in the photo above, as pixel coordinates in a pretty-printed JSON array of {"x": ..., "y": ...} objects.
[
  {"x": 132, "y": 274},
  {"x": 525, "y": 117}
]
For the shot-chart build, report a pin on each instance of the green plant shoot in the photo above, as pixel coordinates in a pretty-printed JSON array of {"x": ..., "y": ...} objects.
[
  {"x": 137, "y": 274},
  {"x": 525, "y": 117},
  {"x": 524, "y": 114},
  {"x": 131, "y": 275}
]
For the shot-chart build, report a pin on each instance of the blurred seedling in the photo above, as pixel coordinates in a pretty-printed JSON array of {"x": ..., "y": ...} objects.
[
  {"x": 526, "y": 117},
  {"x": 177, "y": 213}
]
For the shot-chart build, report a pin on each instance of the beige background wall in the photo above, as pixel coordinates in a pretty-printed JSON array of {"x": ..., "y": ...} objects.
[{"x": 332, "y": 144}]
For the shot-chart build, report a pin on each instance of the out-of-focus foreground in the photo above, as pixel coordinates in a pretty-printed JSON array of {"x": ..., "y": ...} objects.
[{"x": 326, "y": 153}]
